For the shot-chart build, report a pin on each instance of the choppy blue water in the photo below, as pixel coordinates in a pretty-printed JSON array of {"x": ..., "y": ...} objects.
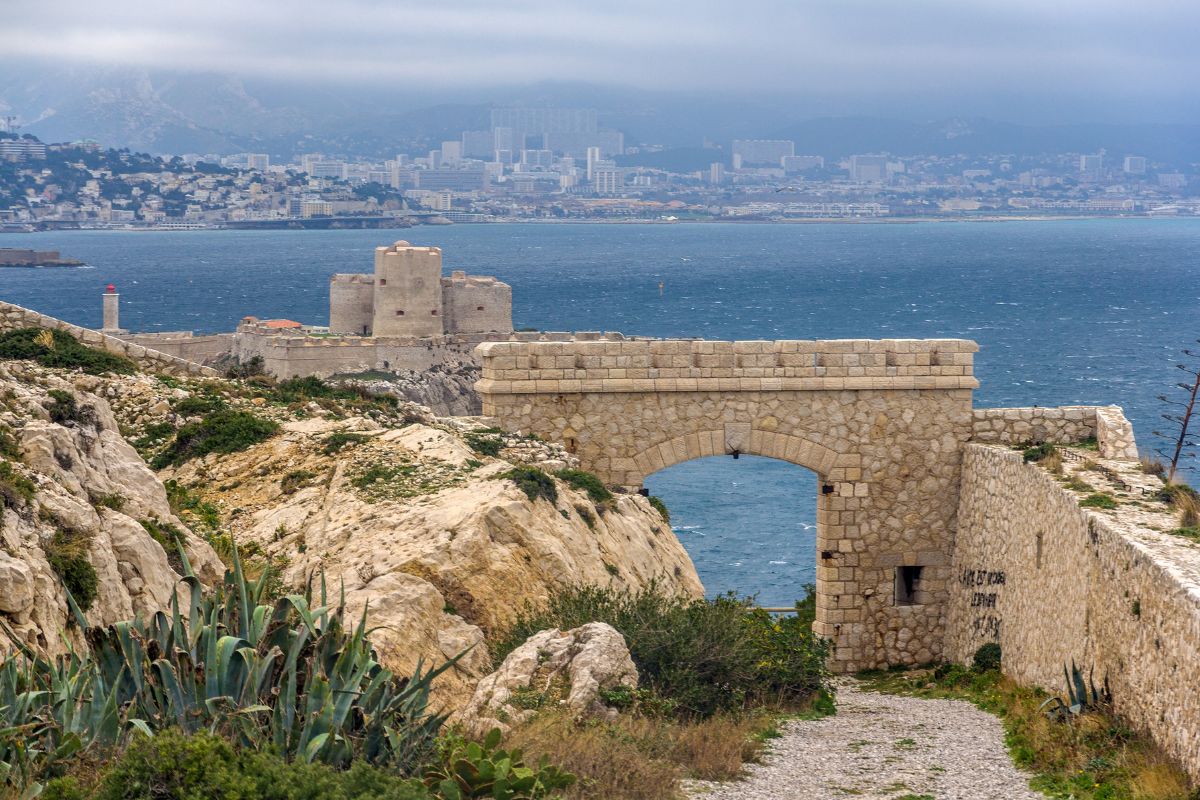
[{"x": 1065, "y": 312}]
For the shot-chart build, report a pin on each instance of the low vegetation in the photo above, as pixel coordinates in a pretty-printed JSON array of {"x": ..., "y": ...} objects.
[
  {"x": 697, "y": 657},
  {"x": 585, "y": 482},
  {"x": 58, "y": 349},
  {"x": 223, "y": 431},
  {"x": 660, "y": 507},
  {"x": 290, "y": 678},
  {"x": 1102, "y": 500},
  {"x": 335, "y": 442},
  {"x": 16, "y": 490},
  {"x": 533, "y": 482},
  {"x": 484, "y": 444},
  {"x": 714, "y": 676},
  {"x": 1092, "y": 756},
  {"x": 67, "y": 553}
]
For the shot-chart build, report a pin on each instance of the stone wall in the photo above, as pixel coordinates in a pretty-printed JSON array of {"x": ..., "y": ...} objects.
[
  {"x": 351, "y": 304},
  {"x": 1062, "y": 425},
  {"x": 1056, "y": 583},
  {"x": 476, "y": 304},
  {"x": 882, "y": 423},
  {"x": 286, "y": 354},
  {"x": 14, "y": 316},
  {"x": 185, "y": 345},
  {"x": 650, "y": 365}
]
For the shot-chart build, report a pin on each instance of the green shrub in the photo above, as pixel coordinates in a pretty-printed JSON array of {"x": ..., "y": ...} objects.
[
  {"x": 190, "y": 507},
  {"x": 336, "y": 441},
  {"x": 484, "y": 445},
  {"x": 250, "y": 368},
  {"x": 198, "y": 405},
  {"x": 63, "y": 407},
  {"x": 59, "y": 349},
  {"x": 9, "y": 446},
  {"x": 661, "y": 508},
  {"x": 296, "y": 480},
  {"x": 15, "y": 489},
  {"x": 174, "y": 766},
  {"x": 987, "y": 657},
  {"x": 112, "y": 500},
  {"x": 586, "y": 482},
  {"x": 225, "y": 431},
  {"x": 1099, "y": 500},
  {"x": 303, "y": 390},
  {"x": 703, "y": 655},
  {"x": 533, "y": 482},
  {"x": 1039, "y": 451},
  {"x": 466, "y": 769},
  {"x": 67, "y": 553},
  {"x": 586, "y": 515}
]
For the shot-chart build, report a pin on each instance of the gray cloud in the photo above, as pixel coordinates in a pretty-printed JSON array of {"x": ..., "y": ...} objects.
[{"x": 1101, "y": 47}]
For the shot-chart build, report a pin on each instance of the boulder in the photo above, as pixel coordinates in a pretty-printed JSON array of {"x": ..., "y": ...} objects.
[{"x": 571, "y": 667}]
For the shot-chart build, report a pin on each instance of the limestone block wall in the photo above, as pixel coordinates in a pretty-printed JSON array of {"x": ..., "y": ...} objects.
[
  {"x": 1053, "y": 582},
  {"x": 182, "y": 344},
  {"x": 408, "y": 291},
  {"x": 351, "y": 304},
  {"x": 476, "y": 304},
  {"x": 1062, "y": 424},
  {"x": 14, "y": 316},
  {"x": 882, "y": 423}
]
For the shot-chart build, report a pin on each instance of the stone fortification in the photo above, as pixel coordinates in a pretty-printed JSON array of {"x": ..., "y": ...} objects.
[
  {"x": 14, "y": 316},
  {"x": 1054, "y": 583},
  {"x": 407, "y": 296},
  {"x": 1064, "y": 424},
  {"x": 882, "y": 423}
]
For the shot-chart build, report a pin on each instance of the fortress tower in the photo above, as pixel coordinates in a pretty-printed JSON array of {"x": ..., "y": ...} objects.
[
  {"x": 408, "y": 291},
  {"x": 408, "y": 297}
]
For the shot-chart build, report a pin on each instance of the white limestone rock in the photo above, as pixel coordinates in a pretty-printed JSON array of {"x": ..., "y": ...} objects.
[{"x": 585, "y": 661}]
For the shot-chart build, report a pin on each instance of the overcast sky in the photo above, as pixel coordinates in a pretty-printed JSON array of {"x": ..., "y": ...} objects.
[{"x": 1098, "y": 48}]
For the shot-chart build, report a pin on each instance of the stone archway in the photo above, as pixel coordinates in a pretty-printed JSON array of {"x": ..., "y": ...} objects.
[{"x": 881, "y": 423}]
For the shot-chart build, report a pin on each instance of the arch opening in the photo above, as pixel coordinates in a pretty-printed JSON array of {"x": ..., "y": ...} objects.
[{"x": 749, "y": 524}]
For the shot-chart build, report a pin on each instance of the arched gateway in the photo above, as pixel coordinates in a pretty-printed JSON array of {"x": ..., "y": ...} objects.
[{"x": 881, "y": 422}]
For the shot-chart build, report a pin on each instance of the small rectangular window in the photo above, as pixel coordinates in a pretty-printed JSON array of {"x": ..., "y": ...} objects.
[
  {"x": 383, "y": 281},
  {"x": 399, "y": 313},
  {"x": 1038, "y": 553},
  {"x": 908, "y": 585},
  {"x": 479, "y": 308},
  {"x": 433, "y": 313}
]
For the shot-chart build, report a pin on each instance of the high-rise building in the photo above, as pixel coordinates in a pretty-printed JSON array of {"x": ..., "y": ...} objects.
[
  {"x": 869, "y": 169},
  {"x": 452, "y": 153},
  {"x": 258, "y": 161},
  {"x": 716, "y": 173},
  {"x": 606, "y": 177},
  {"x": 537, "y": 158},
  {"x": 761, "y": 152},
  {"x": 478, "y": 144},
  {"x": 1135, "y": 165},
  {"x": 801, "y": 163},
  {"x": 593, "y": 155},
  {"x": 1090, "y": 166},
  {"x": 327, "y": 169}
]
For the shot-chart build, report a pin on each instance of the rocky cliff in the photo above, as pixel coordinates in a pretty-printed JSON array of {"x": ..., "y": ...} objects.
[
  {"x": 79, "y": 507},
  {"x": 419, "y": 519},
  {"x": 428, "y": 532}
]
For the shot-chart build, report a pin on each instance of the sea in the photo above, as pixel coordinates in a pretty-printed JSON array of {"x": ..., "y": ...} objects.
[{"x": 1065, "y": 312}]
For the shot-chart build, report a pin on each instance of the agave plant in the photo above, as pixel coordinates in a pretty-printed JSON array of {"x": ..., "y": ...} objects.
[
  {"x": 288, "y": 676},
  {"x": 482, "y": 770},
  {"x": 1081, "y": 697}
]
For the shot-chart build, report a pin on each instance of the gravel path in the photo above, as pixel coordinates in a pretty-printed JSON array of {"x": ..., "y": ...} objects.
[{"x": 883, "y": 746}]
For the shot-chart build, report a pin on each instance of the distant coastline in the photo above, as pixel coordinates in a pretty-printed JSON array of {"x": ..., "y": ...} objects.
[{"x": 882, "y": 220}]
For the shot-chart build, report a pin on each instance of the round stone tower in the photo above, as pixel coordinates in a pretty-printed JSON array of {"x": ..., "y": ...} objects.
[{"x": 408, "y": 291}]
